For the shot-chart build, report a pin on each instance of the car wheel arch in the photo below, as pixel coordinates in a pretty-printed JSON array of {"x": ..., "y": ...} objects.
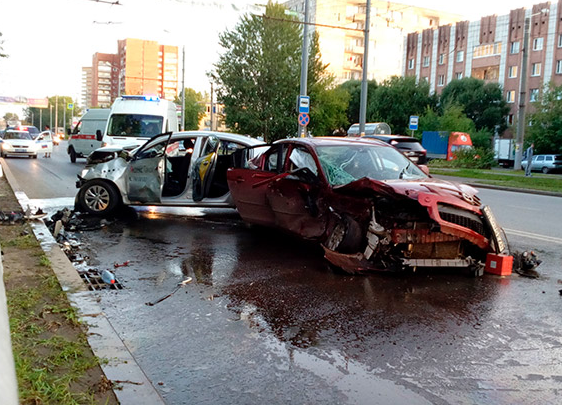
[{"x": 115, "y": 197}]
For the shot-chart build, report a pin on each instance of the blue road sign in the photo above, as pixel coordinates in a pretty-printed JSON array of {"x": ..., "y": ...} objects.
[
  {"x": 414, "y": 122},
  {"x": 304, "y": 104}
]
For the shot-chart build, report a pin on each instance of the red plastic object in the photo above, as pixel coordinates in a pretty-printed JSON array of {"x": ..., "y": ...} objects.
[{"x": 500, "y": 265}]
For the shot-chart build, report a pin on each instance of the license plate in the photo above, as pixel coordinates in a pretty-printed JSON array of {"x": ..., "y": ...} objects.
[
  {"x": 497, "y": 233},
  {"x": 20, "y": 151}
]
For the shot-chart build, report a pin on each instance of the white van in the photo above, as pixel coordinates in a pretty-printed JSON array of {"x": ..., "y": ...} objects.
[
  {"x": 87, "y": 134},
  {"x": 135, "y": 119}
]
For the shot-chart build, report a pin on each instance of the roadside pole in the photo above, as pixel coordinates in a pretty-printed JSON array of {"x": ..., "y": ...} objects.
[
  {"x": 183, "y": 90},
  {"x": 304, "y": 63},
  {"x": 363, "y": 105},
  {"x": 522, "y": 97}
]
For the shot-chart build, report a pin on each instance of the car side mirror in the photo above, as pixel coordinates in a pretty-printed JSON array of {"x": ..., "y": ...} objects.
[
  {"x": 424, "y": 169},
  {"x": 99, "y": 136}
]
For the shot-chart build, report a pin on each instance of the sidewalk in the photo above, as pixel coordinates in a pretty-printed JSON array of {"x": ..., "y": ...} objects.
[{"x": 120, "y": 365}]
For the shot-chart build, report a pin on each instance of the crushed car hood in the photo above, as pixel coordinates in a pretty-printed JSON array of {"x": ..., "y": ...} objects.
[{"x": 410, "y": 188}]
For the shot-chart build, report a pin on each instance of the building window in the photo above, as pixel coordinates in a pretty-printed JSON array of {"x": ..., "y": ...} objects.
[
  {"x": 460, "y": 56},
  {"x": 425, "y": 61},
  {"x": 537, "y": 44},
  {"x": 512, "y": 72},
  {"x": 533, "y": 95},
  {"x": 510, "y": 119},
  {"x": 559, "y": 67},
  {"x": 487, "y": 50},
  {"x": 411, "y": 64},
  {"x": 441, "y": 80},
  {"x": 536, "y": 69},
  {"x": 559, "y": 40},
  {"x": 458, "y": 75},
  {"x": 514, "y": 47},
  {"x": 442, "y": 59},
  {"x": 510, "y": 97}
]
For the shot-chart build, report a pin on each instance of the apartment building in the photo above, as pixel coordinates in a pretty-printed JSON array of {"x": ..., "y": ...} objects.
[
  {"x": 138, "y": 67},
  {"x": 86, "y": 93},
  {"x": 341, "y": 25},
  {"x": 491, "y": 49}
]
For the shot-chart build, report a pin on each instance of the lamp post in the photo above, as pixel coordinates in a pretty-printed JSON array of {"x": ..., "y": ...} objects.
[
  {"x": 523, "y": 91},
  {"x": 363, "y": 104}
]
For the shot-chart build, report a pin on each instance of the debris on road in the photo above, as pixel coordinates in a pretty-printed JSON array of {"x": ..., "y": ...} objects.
[
  {"x": 107, "y": 277},
  {"x": 180, "y": 285},
  {"x": 525, "y": 263},
  {"x": 117, "y": 265}
]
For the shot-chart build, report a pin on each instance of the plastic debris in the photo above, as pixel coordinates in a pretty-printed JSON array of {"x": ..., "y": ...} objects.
[
  {"x": 525, "y": 263},
  {"x": 180, "y": 285},
  {"x": 107, "y": 277},
  {"x": 116, "y": 265}
]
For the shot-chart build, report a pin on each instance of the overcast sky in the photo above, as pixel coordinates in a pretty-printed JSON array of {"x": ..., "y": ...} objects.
[{"x": 48, "y": 42}]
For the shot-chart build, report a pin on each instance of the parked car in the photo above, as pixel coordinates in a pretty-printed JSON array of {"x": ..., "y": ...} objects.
[
  {"x": 21, "y": 143},
  {"x": 544, "y": 163},
  {"x": 368, "y": 205},
  {"x": 33, "y": 131},
  {"x": 411, "y": 147},
  {"x": 180, "y": 169}
]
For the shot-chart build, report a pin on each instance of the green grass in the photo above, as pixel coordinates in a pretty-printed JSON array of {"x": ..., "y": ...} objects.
[
  {"x": 23, "y": 242},
  {"x": 514, "y": 179}
]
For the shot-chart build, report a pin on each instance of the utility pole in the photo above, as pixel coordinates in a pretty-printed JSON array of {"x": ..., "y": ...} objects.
[
  {"x": 522, "y": 97},
  {"x": 212, "y": 108},
  {"x": 363, "y": 104},
  {"x": 304, "y": 61},
  {"x": 56, "y": 114},
  {"x": 183, "y": 90}
]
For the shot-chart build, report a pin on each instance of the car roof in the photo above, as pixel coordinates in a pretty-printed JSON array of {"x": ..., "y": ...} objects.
[
  {"x": 388, "y": 138},
  {"x": 222, "y": 135},
  {"x": 334, "y": 141}
]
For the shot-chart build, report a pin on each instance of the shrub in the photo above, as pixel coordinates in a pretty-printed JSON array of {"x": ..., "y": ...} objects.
[{"x": 475, "y": 158}]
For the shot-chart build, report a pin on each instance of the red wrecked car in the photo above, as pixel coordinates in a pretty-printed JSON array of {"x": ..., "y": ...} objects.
[{"x": 369, "y": 206}]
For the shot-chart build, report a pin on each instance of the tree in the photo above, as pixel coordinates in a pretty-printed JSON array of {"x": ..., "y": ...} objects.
[
  {"x": 353, "y": 88},
  {"x": 546, "y": 129},
  {"x": 329, "y": 104},
  {"x": 258, "y": 75},
  {"x": 482, "y": 102},
  {"x": 396, "y": 99},
  {"x": 10, "y": 117},
  {"x": 194, "y": 108}
]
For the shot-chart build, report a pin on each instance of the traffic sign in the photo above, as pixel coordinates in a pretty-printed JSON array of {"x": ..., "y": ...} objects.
[
  {"x": 70, "y": 106},
  {"x": 304, "y": 104},
  {"x": 304, "y": 119},
  {"x": 414, "y": 122}
]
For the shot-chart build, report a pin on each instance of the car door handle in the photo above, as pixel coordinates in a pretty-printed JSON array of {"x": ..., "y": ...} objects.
[{"x": 240, "y": 180}]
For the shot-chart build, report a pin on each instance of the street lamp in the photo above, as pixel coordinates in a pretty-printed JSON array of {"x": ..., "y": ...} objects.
[{"x": 523, "y": 91}]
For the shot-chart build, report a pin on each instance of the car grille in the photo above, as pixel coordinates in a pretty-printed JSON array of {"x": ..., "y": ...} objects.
[
  {"x": 20, "y": 146},
  {"x": 462, "y": 218}
]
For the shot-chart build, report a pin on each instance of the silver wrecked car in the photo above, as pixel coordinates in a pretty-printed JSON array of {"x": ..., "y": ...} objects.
[{"x": 182, "y": 169}]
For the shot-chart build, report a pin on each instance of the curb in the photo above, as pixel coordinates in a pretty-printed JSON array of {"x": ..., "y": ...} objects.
[{"x": 106, "y": 344}]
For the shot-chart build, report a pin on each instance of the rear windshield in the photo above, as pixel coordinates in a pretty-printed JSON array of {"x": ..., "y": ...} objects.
[
  {"x": 557, "y": 157},
  {"x": 407, "y": 145},
  {"x": 135, "y": 125}
]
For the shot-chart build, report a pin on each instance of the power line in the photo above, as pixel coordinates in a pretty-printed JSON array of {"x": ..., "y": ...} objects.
[{"x": 113, "y": 3}]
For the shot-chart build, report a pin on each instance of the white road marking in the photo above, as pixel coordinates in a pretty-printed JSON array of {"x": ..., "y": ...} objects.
[{"x": 540, "y": 237}]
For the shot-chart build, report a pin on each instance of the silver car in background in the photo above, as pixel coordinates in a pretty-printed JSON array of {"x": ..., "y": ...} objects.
[{"x": 544, "y": 163}]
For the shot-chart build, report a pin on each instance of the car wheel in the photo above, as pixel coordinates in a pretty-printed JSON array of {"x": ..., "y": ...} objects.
[
  {"x": 545, "y": 170},
  {"x": 72, "y": 155},
  {"x": 34, "y": 156},
  {"x": 98, "y": 197}
]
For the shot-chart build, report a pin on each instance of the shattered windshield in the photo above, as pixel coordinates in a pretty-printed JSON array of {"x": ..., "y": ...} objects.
[{"x": 345, "y": 164}]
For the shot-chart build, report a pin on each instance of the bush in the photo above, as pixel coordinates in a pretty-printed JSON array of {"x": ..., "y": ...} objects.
[{"x": 476, "y": 158}]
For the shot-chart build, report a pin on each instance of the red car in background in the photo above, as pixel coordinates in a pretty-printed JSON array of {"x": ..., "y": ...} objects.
[{"x": 369, "y": 206}]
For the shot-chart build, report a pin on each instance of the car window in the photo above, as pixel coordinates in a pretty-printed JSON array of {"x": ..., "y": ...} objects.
[
  {"x": 211, "y": 145},
  {"x": 407, "y": 145},
  {"x": 274, "y": 158},
  {"x": 540, "y": 158},
  {"x": 549, "y": 158},
  {"x": 17, "y": 135},
  {"x": 152, "y": 151},
  {"x": 300, "y": 158},
  {"x": 229, "y": 147}
]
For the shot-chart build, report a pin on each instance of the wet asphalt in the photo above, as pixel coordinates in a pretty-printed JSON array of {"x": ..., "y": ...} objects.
[{"x": 264, "y": 320}]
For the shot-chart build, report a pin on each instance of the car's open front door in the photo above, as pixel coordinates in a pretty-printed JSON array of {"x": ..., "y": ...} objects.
[
  {"x": 204, "y": 168},
  {"x": 145, "y": 177}
]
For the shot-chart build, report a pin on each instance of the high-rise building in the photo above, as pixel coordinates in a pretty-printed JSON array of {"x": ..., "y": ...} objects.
[
  {"x": 86, "y": 93},
  {"x": 491, "y": 49},
  {"x": 139, "y": 67},
  {"x": 342, "y": 49}
]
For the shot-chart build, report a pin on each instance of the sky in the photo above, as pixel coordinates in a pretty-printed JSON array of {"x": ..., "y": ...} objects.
[{"x": 49, "y": 41}]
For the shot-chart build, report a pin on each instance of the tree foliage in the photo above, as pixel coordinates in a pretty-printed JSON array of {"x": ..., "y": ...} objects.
[
  {"x": 258, "y": 74},
  {"x": 395, "y": 99},
  {"x": 353, "y": 88},
  {"x": 546, "y": 129},
  {"x": 2, "y": 54},
  {"x": 482, "y": 102},
  {"x": 194, "y": 108}
]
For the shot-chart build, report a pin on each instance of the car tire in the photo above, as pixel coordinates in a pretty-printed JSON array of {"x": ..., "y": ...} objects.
[
  {"x": 98, "y": 197},
  {"x": 34, "y": 156},
  {"x": 72, "y": 154},
  {"x": 545, "y": 170}
]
